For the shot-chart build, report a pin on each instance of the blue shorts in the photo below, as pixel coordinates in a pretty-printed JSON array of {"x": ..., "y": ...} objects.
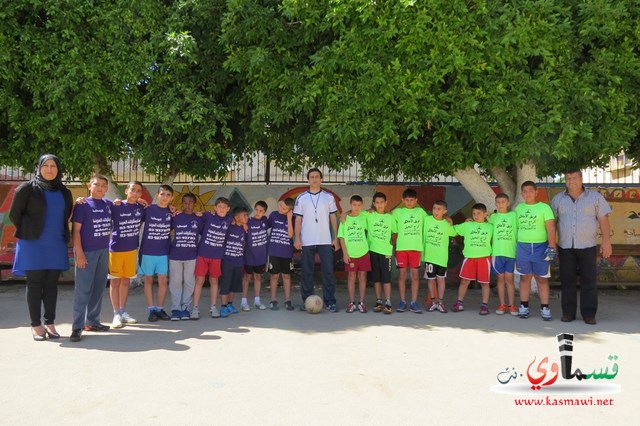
[
  {"x": 530, "y": 259},
  {"x": 503, "y": 264},
  {"x": 151, "y": 265}
]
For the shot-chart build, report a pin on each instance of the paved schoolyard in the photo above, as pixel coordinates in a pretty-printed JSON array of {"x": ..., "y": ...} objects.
[{"x": 294, "y": 368}]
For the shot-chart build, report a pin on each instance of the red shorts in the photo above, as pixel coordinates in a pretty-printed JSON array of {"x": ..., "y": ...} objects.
[
  {"x": 408, "y": 259},
  {"x": 205, "y": 265},
  {"x": 478, "y": 269},
  {"x": 361, "y": 264}
]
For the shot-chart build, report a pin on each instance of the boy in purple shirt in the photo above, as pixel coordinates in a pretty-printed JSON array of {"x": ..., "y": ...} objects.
[
  {"x": 280, "y": 249},
  {"x": 255, "y": 256},
  {"x": 233, "y": 261},
  {"x": 127, "y": 217},
  {"x": 154, "y": 248},
  {"x": 182, "y": 258},
  {"x": 210, "y": 252},
  {"x": 91, "y": 231}
]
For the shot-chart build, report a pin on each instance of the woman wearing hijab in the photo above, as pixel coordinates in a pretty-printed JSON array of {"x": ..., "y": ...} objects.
[{"x": 40, "y": 212}]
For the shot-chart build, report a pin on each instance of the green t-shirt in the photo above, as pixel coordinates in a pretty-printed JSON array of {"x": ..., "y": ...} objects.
[
  {"x": 436, "y": 241},
  {"x": 353, "y": 230},
  {"x": 380, "y": 227},
  {"x": 532, "y": 220},
  {"x": 409, "y": 228},
  {"x": 477, "y": 239},
  {"x": 505, "y": 231}
]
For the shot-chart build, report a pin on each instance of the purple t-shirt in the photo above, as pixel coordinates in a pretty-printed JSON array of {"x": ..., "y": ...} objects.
[
  {"x": 157, "y": 231},
  {"x": 95, "y": 218},
  {"x": 126, "y": 226},
  {"x": 186, "y": 229},
  {"x": 256, "y": 252},
  {"x": 234, "y": 245},
  {"x": 279, "y": 242},
  {"x": 214, "y": 232}
]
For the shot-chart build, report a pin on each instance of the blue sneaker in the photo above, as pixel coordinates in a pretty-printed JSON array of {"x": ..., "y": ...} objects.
[
  {"x": 224, "y": 311},
  {"x": 402, "y": 307},
  {"x": 175, "y": 315},
  {"x": 333, "y": 308},
  {"x": 232, "y": 309},
  {"x": 415, "y": 308},
  {"x": 523, "y": 312},
  {"x": 185, "y": 315}
]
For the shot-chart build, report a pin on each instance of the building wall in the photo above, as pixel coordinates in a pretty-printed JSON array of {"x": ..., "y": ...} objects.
[{"x": 624, "y": 266}]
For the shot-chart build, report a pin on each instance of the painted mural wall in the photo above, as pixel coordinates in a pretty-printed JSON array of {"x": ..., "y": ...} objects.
[{"x": 625, "y": 219}]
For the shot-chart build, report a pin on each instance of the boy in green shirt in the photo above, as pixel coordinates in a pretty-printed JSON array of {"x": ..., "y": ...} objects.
[
  {"x": 477, "y": 256},
  {"x": 437, "y": 231},
  {"x": 352, "y": 235},
  {"x": 409, "y": 247},
  {"x": 503, "y": 250},
  {"x": 536, "y": 248},
  {"x": 380, "y": 227}
]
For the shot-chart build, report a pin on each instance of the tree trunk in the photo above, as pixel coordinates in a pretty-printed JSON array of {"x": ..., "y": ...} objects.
[
  {"x": 477, "y": 187},
  {"x": 102, "y": 167},
  {"x": 524, "y": 172},
  {"x": 506, "y": 182}
]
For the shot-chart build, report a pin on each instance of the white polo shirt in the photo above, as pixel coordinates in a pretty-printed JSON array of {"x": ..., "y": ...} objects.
[{"x": 315, "y": 210}]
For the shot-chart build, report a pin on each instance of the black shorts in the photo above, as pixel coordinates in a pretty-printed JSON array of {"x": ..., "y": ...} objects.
[
  {"x": 380, "y": 268},
  {"x": 250, "y": 269},
  {"x": 431, "y": 271},
  {"x": 280, "y": 265},
  {"x": 231, "y": 279}
]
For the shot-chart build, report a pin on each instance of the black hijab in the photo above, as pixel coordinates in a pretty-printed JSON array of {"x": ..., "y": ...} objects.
[{"x": 49, "y": 185}]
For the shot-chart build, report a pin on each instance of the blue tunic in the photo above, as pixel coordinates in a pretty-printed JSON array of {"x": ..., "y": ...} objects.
[{"x": 49, "y": 251}]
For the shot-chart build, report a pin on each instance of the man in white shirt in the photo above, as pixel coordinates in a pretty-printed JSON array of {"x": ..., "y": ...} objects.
[{"x": 316, "y": 228}]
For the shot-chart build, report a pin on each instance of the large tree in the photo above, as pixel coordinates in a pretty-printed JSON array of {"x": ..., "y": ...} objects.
[{"x": 419, "y": 88}]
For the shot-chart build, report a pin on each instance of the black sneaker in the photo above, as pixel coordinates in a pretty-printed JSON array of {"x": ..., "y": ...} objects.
[
  {"x": 163, "y": 315},
  {"x": 378, "y": 306},
  {"x": 288, "y": 305},
  {"x": 97, "y": 327},
  {"x": 274, "y": 305},
  {"x": 76, "y": 335},
  {"x": 303, "y": 308},
  {"x": 153, "y": 316}
]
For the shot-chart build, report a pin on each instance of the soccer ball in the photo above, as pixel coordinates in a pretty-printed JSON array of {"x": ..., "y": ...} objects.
[{"x": 313, "y": 304}]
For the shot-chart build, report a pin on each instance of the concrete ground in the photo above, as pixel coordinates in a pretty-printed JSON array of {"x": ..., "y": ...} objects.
[{"x": 294, "y": 368}]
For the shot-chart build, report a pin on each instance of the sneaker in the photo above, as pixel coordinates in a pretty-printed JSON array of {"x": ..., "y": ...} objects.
[
  {"x": 441, "y": 308},
  {"x": 513, "y": 310},
  {"x": 523, "y": 312},
  {"x": 195, "y": 313},
  {"x": 163, "y": 315},
  {"x": 175, "y": 315},
  {"x": 303, "y": 308},
  {"x": 224, "y": 312},
  {"x": 76, "y": 335},
  {"x": 274, "y": 305},
  {"x": 153, "y": 316},
  {"x": 333, "y": 308},
  {"x": 117, "y": 321},
  {"x": 351, "y": 307},
  {"x": 402, "y": 307},
  {"x": 244, "y": 307},
  {"x": 185, "y": 315},
  {"x": 415, "y": 308},
  {"x": 545, "y": 313},
  {"x": 288, "y": 305},
  {"x": 378, "y": 306},
  {"x": 362, "y": 307},
  {"x": 387, "y": 309},
  {"x": 232, "y": 309},
  {"x": 433, "y": 307},
  {"x": 214, "y": 312},
  {"x": 128, "y": 319},
  {"x": 457, "y": 307},
  {"x": 502, "y": 308},
  {"x": 260, "y": 306},
  {"x": 484, "y": 310}
]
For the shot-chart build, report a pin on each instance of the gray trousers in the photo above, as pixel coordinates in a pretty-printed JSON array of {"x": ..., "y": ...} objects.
[
  {"x": 89, "y": 287},
  {"x": 182, "y": 282}
]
